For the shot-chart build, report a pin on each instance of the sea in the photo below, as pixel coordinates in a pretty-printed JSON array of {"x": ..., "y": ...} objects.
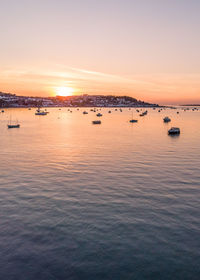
[{"x": 114, "y": 201}]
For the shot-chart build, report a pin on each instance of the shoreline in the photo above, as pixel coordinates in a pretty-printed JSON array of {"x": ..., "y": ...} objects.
[{"x": 61, "y": 106}]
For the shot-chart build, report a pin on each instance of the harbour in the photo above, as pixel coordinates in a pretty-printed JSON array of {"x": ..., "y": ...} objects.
[{"x": 80, "y": 199}]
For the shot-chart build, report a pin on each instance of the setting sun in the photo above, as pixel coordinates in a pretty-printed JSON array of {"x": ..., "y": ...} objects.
[{"x": 64, "y": 91}]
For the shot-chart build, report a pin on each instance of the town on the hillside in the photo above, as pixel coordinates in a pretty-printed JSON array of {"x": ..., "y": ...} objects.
[{"x": 12, "y": 100}]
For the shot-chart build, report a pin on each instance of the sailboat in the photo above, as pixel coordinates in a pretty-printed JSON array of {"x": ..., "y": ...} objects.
[
  {"x": 13, "y": 125},
  {"x": 40, "y": 113},
  {"x": 132, "y": 120}
]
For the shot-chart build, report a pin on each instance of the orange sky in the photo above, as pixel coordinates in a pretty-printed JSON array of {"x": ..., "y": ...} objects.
[{"x": 145, "y": 49}]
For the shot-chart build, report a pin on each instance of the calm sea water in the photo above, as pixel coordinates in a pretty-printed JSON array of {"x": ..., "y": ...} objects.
[{"x": 110, "y": 201}]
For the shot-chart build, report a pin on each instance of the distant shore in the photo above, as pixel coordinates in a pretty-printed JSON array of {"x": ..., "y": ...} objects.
[
  {"x": 9, "y": 100},
  {"x": 62, "y": 106},
  {"x": 192, "y": 105}
]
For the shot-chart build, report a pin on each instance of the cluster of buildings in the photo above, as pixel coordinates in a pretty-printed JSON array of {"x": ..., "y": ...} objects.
[{"x": 12, "y": 100}]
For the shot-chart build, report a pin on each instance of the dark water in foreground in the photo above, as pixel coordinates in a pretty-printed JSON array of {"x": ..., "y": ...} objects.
[{"x": 115, "y": 201}]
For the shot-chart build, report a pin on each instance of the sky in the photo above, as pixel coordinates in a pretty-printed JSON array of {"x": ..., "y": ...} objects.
[{"x": 147, "y": 49}]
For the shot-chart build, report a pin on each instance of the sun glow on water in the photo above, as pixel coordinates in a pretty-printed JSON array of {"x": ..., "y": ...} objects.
[{"x": 64, "y": 91}]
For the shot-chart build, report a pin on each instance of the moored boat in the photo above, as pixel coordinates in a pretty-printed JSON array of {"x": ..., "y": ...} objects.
[
  {"x": 96, "y": 122},
  {"x": 166, "y": 119},
  {"x": 143, "y": 113},
  {"x": 13, "y": 125},
  {"x": 133, "y": 121},
  {"x": 40, "y": 113},
  {"x": 174, "y": 130}
]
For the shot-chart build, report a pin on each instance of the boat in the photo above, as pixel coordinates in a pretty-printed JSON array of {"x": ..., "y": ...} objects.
[
  {"x": 40, "y": 113},
  {"x": 96, "y": 122},
  {"x": 166, "y": 119},
  {"x": 133, "y": 120},
  {"x": 109, "y": 112},
  {"x": 143, "y": 113},
  {"x": 174, "y": 130},
  {"x": 85, "y": 112},
  {"x": 99, "y": 115},
  {"x": 2, "y": 111},
  {"x": 13, "y": 125}
]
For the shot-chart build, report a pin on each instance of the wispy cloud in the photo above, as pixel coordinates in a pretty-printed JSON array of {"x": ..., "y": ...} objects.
[{"x": 152, "y": 87}]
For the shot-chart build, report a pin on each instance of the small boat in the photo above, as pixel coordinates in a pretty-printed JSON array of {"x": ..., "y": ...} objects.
[
  {"x": 85, "y": 112},
  {"x": 109, "y": 112},
  {"x": 133, "y": 121},
  {"x": 177, "y": 112},
  {"x": 40, "y": 113},
  {"x": 99, "y": 115},
  {"x": 174, "y": 130},
  {"x": 13, "y": 125},
  {"x": 143, "y": 114},
  {"x": 166, "y": 119},
  {"x": 96, "y": 122},
  {"x": 2, "y": 111}
]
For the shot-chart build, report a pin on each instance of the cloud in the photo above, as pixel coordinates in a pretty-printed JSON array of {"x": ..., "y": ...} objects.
[{"x": 154, "y": 87}]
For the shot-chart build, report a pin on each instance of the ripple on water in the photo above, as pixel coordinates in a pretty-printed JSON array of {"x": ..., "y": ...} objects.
[{"x": 120, "y": 203}]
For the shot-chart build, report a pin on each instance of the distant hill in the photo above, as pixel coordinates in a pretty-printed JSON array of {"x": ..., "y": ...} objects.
[{"x": 85, "y": 100}]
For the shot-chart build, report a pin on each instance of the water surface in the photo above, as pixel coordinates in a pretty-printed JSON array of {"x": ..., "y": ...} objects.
[{"x": 110, "y": 201}]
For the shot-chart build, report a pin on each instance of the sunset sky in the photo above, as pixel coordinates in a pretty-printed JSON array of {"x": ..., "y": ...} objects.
[{"x": 148, "y": 49}]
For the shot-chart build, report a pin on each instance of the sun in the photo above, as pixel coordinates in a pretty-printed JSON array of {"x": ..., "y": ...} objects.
[{"x": 64, "y": 91}]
